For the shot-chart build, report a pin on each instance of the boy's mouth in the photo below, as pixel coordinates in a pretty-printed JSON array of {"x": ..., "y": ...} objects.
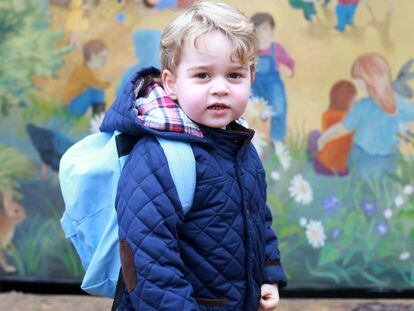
[{"x": 218, "y": 106}]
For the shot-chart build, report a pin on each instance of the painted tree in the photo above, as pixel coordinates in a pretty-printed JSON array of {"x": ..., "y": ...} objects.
[
  {"x": 13, "y": 165},
  {"x": 28, "y": 48}
]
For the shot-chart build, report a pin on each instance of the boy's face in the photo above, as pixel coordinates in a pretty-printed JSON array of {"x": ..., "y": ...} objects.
[{"x": 211, "y": 88}]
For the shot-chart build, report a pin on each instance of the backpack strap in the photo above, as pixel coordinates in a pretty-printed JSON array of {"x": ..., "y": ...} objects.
[
  {"x": 180, "y": 160},
  {"x": 119, "y": 291},
  {"x": 182, "y": 166}
]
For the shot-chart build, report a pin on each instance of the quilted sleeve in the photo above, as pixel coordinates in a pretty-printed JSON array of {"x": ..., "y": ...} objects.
[
  {"x": 273, "y": 270},
  {"x": 149, "y": 217}
]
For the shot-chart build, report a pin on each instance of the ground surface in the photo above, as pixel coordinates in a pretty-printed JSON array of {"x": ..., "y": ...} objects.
[{"x": 26, "y": 302}]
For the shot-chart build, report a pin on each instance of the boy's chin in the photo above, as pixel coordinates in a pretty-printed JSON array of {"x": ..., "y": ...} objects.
[{"x": 222, "y": 126}]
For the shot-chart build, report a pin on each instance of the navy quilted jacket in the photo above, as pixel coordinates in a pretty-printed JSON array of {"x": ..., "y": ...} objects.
[{"x": 218, "y": 255}]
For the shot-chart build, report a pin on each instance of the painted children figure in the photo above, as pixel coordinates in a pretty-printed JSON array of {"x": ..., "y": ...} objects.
[
  {"x": 345, "y": 13},
  {"x": 268, "y": 83},
  {"x": 168, "y": 4},
  {"x": 77, "y": 21},
  {"x": 375, "y": 120},
  {"x": 333, "y": 158},
  {"x": 223, "y": 253},
  {"x": 84, "y": 89},
  {"x": 147, "y": 49},
  {"x": 308, "y": 7}
]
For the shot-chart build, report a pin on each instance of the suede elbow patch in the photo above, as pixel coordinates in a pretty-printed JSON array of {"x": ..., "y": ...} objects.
[
  {"x": 272, "y": 263},
  {"x": 128, "y": 267}
]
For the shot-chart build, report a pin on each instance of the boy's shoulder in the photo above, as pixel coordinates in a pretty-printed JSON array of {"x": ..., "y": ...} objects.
[{"x": 146, "y": 147}]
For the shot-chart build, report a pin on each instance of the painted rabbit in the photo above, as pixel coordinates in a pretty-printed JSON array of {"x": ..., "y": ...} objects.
[{"x": 14, "y": 213}]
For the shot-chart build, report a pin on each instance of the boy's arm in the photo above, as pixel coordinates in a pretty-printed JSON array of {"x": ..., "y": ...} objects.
[
  {"x": 273, "y": 271},
  {"x": 149, "y": 217}
]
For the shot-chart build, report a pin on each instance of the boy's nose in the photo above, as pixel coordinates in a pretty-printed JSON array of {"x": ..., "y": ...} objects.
[{"x": 219, "y": 87}]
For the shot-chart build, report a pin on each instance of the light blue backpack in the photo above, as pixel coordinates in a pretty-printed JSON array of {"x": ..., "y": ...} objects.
[{"x": 88, "y": 174}]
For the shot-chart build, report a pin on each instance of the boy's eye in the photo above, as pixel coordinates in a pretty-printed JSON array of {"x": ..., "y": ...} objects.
[
  {"x": 235, "y": 75},
  {"x": 202, "y": 75}
]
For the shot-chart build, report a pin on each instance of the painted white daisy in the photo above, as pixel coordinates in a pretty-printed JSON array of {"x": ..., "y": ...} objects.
[
  {"x": 275, "y": 175},
  {"x": 282, "y": 153},
  {"x": 255, "y": 107},
  {"x": 300, "y": 190},
  {"x": 388, "y": 213},
  {"x": 408, "y": 190},
  {"x": 243, "y": 122},
  {"x": 95, "y": 123},
  {"x": 259, "y": 142},
  {"x": 399, "y": 201},
  {"x": 303, "y": 222},
  {"x": 267, "y": 113},
  {"x": 315, "y": 233},
  {"x": 405, "y": 255}
]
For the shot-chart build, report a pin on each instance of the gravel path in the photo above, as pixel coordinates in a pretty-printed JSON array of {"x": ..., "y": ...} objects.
[{"x": 14, "y": 301}]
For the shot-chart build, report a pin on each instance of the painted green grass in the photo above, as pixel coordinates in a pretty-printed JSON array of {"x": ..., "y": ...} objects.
[
  {"x": 28, "y": 253},
  {"x": 361, "y": 249},
  {"x": 39, "y": 247}
]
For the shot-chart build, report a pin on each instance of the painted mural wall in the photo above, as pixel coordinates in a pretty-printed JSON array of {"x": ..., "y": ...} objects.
[{"x": 332, "y": 105}]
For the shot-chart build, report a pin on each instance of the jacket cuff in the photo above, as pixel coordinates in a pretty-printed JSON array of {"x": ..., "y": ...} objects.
[{"x": 274, "y": 274}]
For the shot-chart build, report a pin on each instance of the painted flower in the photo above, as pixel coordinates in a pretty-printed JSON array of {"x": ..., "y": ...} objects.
[
  {"x": 120, "y": 17},
  {"x": 315, "y": 233},
  {"x": 405, "y": 256},
  {"x": 95, "y": 123},
  {"x": 283, "y": 155},
  {"x": 259, "y": 141},
  {"x": 267, "y": 113},
  {"x": 275, "y": 175},
  {"x": 255, "y": 107},
  {"x": 382, "y": 228},
  {"x": 399, "y": 201},
  {"x": 303, "y": 222},
  {"x": 388, "y": 213},
  {"x": 336, "y": 233},
  {"x": 243, "y": 122},
  {"x": 368, "y": 207},
  {"x": 408, "y": 190},
  {"x": 331, "y": 204},
  {"x": 300, "y": 190}
]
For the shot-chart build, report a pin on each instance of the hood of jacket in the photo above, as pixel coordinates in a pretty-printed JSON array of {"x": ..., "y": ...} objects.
[{"x": 144, "y": 108}]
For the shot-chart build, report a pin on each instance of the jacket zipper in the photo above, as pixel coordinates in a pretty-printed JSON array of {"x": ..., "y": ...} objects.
[{"x": 246, "y": 214}]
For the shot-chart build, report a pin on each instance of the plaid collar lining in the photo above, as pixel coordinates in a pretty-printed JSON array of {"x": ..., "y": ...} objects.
[{"x": 158, "y": 111}]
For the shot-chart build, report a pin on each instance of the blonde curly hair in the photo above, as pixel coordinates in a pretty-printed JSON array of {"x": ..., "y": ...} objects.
[{"x": 204, "y": 17}]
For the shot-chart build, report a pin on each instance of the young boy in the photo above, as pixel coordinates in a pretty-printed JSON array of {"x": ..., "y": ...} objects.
[
  {"x": 84, "y": 89},
  {"x": 222, "y": 254}
]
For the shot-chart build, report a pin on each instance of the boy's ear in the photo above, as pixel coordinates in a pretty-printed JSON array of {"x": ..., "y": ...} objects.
[
  {"x": 251, "y": 77},
  {"x": 168, "y": 81}
]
